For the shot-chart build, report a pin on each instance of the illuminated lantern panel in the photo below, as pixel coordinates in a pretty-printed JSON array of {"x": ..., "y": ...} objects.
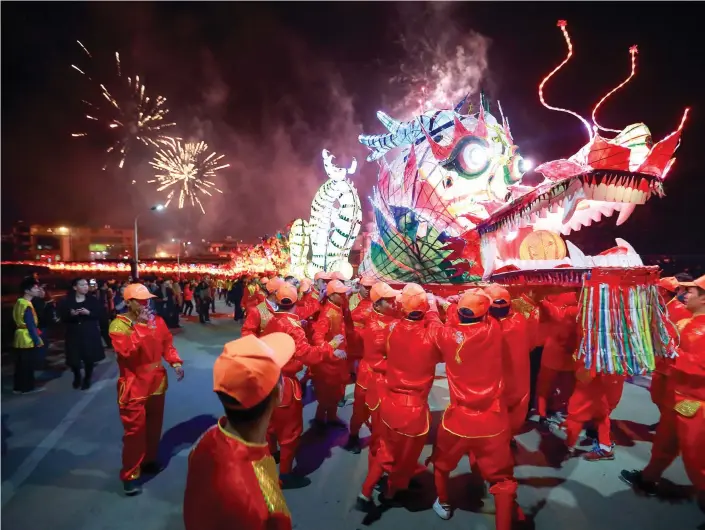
[{"x": 323, "y": 243}]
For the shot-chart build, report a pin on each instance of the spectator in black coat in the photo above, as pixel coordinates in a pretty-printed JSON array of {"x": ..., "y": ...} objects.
[{"x": 84, "y": 346}]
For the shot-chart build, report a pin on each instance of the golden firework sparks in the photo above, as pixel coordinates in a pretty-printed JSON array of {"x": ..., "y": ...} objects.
[
  {"x": 127, "y": 112},
  {"x": 185, "y": 170}
]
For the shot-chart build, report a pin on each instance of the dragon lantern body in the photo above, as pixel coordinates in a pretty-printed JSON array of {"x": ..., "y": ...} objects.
[{"x": 323, "y": 243}]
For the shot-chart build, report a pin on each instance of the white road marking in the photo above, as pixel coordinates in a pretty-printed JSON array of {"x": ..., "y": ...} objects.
[{"x": 12, "y": 485}]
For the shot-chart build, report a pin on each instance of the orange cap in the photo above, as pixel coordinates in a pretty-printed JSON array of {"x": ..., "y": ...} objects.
[
  {"x": 137, "y": 291},
  {"x": 274, "y": 284},
  {"x": 249, "y": 368},
  {"x": 286, "y": 294},
  {"x": 305, "y": 285},
  {"x": 337, "y": 276},
  {"x": 700, "y": 282},
  {"x": 499, "y": 296},
  {"x": 476, "y": 301},
  {"x": 367, "y": 280},
  {"x": 336, "y": 286},
  {"x": 323, "y": 275},
  {"x": 382, "y": 290},
  {"x": 669, "y": 283},
  {"x": 413, "y": 298}
]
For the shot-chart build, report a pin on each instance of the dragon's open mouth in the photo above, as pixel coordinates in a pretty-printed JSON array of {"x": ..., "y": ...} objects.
[{"x": 561, "y": 208}]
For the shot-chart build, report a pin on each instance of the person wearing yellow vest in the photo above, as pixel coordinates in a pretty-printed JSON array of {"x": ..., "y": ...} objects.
[{"x": 27, "y": 337}]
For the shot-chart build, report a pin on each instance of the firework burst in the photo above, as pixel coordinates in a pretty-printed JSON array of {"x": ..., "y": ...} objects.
[
  {"x": 186, "y": 169},
  {"x": 126, "y": 112}
]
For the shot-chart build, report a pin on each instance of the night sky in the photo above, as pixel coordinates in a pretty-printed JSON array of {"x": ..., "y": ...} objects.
[{"x": 270, "y": 85}]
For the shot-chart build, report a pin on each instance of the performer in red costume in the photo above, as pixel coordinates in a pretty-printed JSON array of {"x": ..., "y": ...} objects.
[
  {"x": 404, "y": 416},
  {"x": 308, "y": 305},
  {"x": 286, "y": 424},
  {"x": 260, "y": 315},
  {"x": 373, "y": 366},
  {"x": 559, "y": 313},
  {"x": 141, "y": 340},
  {"x": 515, "y": 356},
  {"x": 682, "y": 426},
  {"x": 331, "y": 375},
  {"x": 232, "y": 479},
  {"x": 475, "y": 423},
  {"x": 593, "y": 400},
  {"x": 253, "y": 294},
  {"x": 669, "y": 289}
]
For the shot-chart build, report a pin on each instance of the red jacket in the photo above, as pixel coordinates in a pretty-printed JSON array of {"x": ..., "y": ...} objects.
[
  {"x": 677, "y": 312},
  {"x": 232, "y": 483},
  {"x": 516, "y": 365},
  {"x": 473, "y": 357},
  {"x": 308, "y": 305},
  {"x": 373, "y": 367},
  {"x": 140, "y": 349},
  {"x": 561, "y": 333},
  {"x": 330, "y": 322},
  {"x": 360, "y": 310},
  {"x": 412, "y": 356},
  {"x": 305, "y": 354},
  {"x": 257, "y": 319},
  {"x": 688, "y": 370}
]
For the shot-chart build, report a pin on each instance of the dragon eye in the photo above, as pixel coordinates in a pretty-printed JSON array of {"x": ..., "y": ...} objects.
[
  {"x": 471, "y": 157},
  {"x": 448, "y": 182}
]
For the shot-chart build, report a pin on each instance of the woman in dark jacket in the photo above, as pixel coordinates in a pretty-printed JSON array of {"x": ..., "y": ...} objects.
[{"x": 82, "y": 314}]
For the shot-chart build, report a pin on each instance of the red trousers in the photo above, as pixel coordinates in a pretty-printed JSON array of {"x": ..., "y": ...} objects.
[
  {"x": 397, "y": 455},
  {"x": 593, "y": 400},
  {"x": 550, "y": 380},
  {"x": 328, "y": 396},
  {"x": 658, "y": 389},
  {"x": 492, "y": 457},
  {"x": 142, "y": 422},
  {"x": 360, "y": 412},
  {"x": 285, "y": 428},
  {"x": 678, "y": 434},
  {"x": 517, "y": 410}
]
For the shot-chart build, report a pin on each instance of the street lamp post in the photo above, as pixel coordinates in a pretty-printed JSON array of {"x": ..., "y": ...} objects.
[
  {"x": 178, "y": 255},
  {"x": 158, "y": 208}
]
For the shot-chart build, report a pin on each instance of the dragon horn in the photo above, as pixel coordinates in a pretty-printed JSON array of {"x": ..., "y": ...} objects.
[{"x": 353, "y": 166}]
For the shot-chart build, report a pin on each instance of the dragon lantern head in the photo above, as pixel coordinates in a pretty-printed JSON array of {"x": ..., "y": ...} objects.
[{"x": 605, "y": 176}]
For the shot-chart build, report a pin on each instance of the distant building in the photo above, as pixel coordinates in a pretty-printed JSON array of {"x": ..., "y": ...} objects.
[
  {"x": 224, "y": 249},
  {"x": 66, "y": 243}
]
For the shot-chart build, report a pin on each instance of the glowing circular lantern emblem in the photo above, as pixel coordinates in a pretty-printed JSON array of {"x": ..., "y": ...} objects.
[{"x": 542, "y": 245}]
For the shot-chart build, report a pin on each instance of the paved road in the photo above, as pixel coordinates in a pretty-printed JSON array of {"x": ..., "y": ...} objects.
[{"x": 61, "y": 457}]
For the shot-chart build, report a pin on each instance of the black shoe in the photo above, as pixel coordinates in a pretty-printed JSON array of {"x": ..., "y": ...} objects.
[
  {"x": 353, "y": 445},
  {"x": 76, "y": 381},
  {"x": 415, "y": 484},
  {"x": 636, "y": 480},
  {"x": 86, "y": 384},
  {"x": 338, "y": 423},
  {"x": 342, "y": 403},
  {"x": 290, "y": 481},
  {"x": 152, "y": 468},
  {"x": 365, "y": 505},
  {"x": 393, "y": 502},
  {"x": 131, "y": 488}
]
